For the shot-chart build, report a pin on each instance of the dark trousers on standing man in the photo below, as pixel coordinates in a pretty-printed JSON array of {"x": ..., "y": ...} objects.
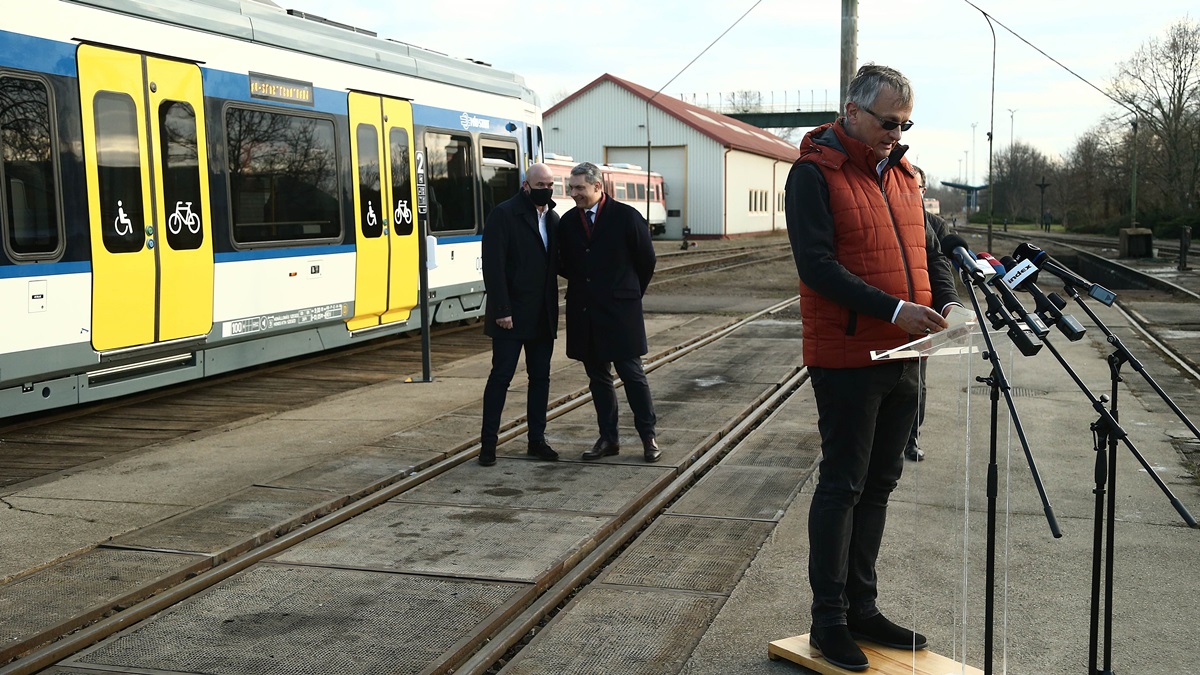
[
  {"x": 865, "y": 416},
  {"x": 505, "y": 353},
  {"x": 604, "y": 397}
]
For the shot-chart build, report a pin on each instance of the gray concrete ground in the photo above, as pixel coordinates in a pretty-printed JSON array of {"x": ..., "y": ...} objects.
[
  {"x": 1043, "y": 584},
  {"x": 1042, "y": 602}
]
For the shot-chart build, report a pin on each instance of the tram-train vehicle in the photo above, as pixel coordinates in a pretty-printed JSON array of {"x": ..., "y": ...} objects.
[
  {"x": 626, "y": 183},
  {"x": 196, "y": 186}
]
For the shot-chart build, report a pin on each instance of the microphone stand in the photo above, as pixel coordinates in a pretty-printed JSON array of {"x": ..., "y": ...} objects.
[
  {"x": 998, "y": 384},
  {"x": 1107, "y": 432}
]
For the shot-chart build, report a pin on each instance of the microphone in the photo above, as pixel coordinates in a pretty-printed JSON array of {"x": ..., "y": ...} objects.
[
  {"x": 1021, "y": 277},
  {"x": 1037, "y": 256},
  {"x": 955, "y": 248},
  {"x": 1010, "y": 301}
]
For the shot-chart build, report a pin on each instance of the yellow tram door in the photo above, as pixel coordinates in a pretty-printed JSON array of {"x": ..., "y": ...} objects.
[
  {"x": 386, "y": 275},
  {"x": 145, "y": 154}
]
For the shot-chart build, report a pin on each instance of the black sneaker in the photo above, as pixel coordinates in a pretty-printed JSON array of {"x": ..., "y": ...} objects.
[
  {"x": 837, "y": 647},
  {"x": 541, "y": 450},
  {"x": 879, "y": 630}
]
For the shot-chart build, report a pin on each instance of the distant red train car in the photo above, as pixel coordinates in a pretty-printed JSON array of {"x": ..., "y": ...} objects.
[{"x": 625, "y": 182}]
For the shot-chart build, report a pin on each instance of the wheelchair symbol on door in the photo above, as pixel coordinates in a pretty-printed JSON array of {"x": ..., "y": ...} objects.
[
  {"x": 372, "y": 219},
  {"x": 183, "y": 216},
  {"x": 122, "y": 224}
]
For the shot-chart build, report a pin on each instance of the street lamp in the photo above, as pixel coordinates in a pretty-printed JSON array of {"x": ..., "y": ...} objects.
[
  {"x": 1012, "y": 123},
  {"x": 973, "y": 150}
]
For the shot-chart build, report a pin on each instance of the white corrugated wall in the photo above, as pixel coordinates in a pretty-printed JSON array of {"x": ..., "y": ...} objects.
[{"x": 610, "y": 116}]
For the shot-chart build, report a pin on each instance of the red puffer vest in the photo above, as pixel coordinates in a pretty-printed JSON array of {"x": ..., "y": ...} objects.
[{"x": 879, "y": 236}]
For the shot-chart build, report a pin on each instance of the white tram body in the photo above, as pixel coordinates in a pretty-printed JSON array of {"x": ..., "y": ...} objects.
[
  {"x": 628, "y": 183},
  {"x": 195, "y": 186}
]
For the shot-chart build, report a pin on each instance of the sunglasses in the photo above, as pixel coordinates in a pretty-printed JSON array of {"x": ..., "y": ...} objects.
[{"x": 888, "y": 125}]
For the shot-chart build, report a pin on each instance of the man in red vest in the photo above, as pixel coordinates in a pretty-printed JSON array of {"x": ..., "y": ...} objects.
[{"x": 858, "y": 235}]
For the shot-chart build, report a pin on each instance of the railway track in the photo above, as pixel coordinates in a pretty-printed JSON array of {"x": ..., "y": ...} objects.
[
  {"x": 36, "y": 445},
  {"x": 73, "y": 634}
]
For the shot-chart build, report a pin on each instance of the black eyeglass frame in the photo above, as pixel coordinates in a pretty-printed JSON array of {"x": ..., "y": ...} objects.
[{"x": 888, "y": 125}]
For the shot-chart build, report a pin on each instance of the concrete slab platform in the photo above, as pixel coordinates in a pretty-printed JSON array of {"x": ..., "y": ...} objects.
[
  {"x": 554, "y": 486},
  {"x": 237, "y": 523},
  {"x": 486, "y": 543},
  {"x": 316, "y": 620}
]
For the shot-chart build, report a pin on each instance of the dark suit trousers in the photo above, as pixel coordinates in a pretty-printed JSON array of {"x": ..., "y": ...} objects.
[
  {"x": 505, "y": 353},
  {"x": 865, "y": 416},
  {"x": 604, "y": 396}
]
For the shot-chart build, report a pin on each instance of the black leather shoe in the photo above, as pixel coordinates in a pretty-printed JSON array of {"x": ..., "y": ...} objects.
[
  {"x": 487, "y": 456},
  {"x": 837, "y": 647},
  {"x": 602, "y": 448},
  {"x": 650, "y": 448},
  {"x": 913, "y": 453},
  {"x": 879, "y": 630},
  {"x": 541, "y": 450}
]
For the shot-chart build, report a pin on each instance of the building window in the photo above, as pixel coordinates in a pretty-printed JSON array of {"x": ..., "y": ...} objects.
[
  {"x": 758, "y": 201},
  {"x": 779, "y": 202}
]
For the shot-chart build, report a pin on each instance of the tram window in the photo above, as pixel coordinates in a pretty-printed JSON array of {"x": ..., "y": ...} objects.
[
  {"x": 651, "y": 191},
  {"x": 30, "y": 200},
  {"x": 402, "y": 210},
  {"x": 181, "y": 175},
  {"x": 560, "y": 189},
  {"x": 119, "y": 173},
  {"x": 620, "y": 193},
  {"x": 451, "y": 178},
  {"x": 641, "y": 191},
  {"x": 499, "y": 175},
  {"x": 369, "y": 187},
  {"x": 282, "y": 177}
]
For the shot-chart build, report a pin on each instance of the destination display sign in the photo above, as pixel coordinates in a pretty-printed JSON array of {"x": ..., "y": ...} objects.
[{"x": 280, "y": 89}]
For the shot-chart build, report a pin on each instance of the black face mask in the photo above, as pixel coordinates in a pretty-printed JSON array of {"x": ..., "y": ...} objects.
[{"x": 541, "y": 196}]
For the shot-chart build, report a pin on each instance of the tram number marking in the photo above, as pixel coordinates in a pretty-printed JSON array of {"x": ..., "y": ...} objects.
[
  {"x": 266, "y": 322},
  {"x": 422, "y": 196}
]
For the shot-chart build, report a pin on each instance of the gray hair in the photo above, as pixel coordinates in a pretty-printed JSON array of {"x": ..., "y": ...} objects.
[
  {"x": 590, "y": 172},
  {"x": 865, "y": 86}
]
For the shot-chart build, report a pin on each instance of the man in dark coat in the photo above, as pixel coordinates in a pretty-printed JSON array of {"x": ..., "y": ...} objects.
[
  {"x": 607, "y": 258},
  {"x": 941, "y": 275},
  {"x": 520, "y": 274}
]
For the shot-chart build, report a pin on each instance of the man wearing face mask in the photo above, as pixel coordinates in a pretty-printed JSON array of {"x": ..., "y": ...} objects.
[{"x": 520, "y": 274}]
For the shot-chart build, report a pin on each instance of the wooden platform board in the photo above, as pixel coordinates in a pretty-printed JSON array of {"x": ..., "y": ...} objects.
[{"x": 884, "y": 660}]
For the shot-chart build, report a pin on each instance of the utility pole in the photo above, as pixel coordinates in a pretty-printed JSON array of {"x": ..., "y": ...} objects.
[
  {"x": 1042, "y": 206},
  {"x": 849, "y": 47},
  {"x": 1012, "y": 124}
]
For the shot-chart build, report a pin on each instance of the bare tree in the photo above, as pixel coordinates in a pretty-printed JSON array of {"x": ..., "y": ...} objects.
[
  {"x": 743, "y": 101},
  {"x": 1162, "y": 83}
]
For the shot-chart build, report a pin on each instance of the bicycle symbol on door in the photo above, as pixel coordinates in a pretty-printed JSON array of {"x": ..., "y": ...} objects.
[
  {"x": 403, "y": 213},
  {"x": 183, "y": 216}
]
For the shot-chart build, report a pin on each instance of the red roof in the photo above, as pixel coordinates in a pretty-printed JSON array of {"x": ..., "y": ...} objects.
[{"x": 721, "y": 128}]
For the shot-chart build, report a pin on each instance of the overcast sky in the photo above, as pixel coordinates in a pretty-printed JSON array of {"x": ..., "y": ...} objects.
[{"x": 943, "y": 46}]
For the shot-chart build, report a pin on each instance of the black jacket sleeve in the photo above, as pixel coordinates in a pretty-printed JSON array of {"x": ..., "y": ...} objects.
[
  {"x": 941, "y": 272},
  {"x": 810, "y": 230}
]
